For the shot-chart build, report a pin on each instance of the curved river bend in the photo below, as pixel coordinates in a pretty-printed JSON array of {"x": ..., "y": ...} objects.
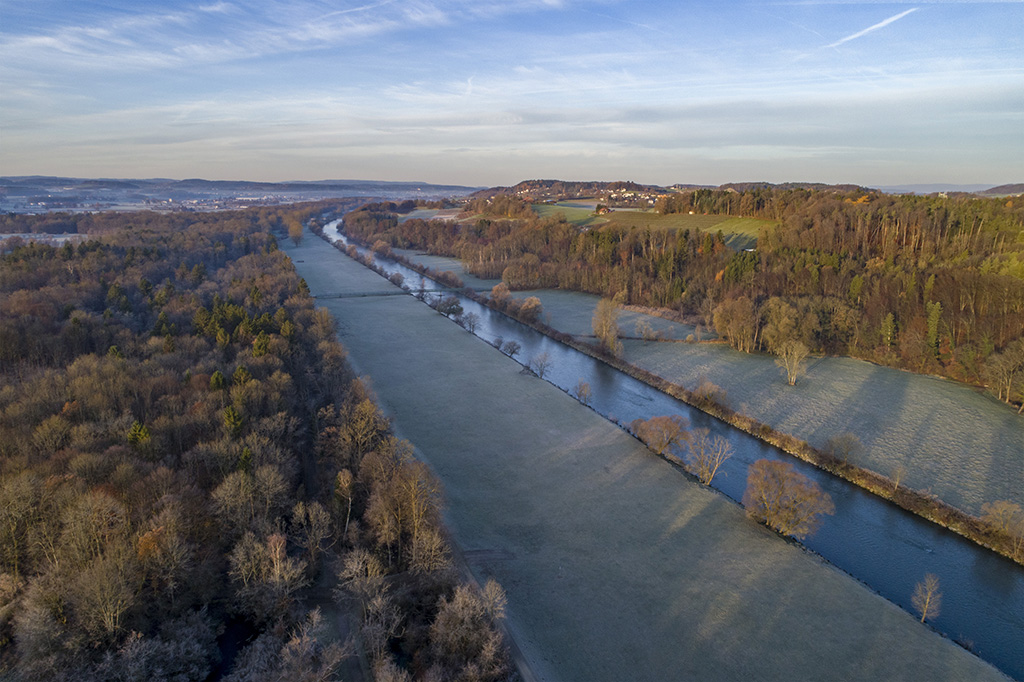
[{"x": 886, "y": 548}]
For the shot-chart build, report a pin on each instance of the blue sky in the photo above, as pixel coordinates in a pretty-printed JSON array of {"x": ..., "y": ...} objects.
[{"x": 485, "y": 92}]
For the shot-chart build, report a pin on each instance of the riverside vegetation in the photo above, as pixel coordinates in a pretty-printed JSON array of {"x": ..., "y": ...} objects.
[
  {"x": 184, "y": 452},
  {"x": 853, "y": 273}
]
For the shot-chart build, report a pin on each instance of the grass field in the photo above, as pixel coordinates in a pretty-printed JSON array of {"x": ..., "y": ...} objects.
[
  {"x": 741, "y": 233},
  {"x": 577, "y": 213},
  {"x": 616, "y": 568},
  {"x": 961, "y": 444},
  {"x": 430, "y": 214},
  {"x": 442, "y": 263}
]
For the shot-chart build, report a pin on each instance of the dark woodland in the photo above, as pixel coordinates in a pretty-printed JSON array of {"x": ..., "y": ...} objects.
[{"x": 188, "y": 468}]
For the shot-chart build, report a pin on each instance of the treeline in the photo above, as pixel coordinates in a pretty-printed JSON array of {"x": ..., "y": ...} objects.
[
  {"x": 98, "y": 223},
  {"x": 924, "y": 283},
  {"x": 184, "y": 453}
]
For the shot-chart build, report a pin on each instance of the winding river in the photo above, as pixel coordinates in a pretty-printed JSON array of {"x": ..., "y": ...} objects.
[{"x": 879, "y": 544}]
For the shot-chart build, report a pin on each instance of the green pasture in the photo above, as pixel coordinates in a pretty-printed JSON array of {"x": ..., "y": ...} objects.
[
  {"x": 575, "y": 213},
  {"x": 740, "y": 233}
]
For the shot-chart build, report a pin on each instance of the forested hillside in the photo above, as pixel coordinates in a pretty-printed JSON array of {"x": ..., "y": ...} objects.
[
  {"x": 930, "y": 284},
  {"x": 183, "y": 449}
]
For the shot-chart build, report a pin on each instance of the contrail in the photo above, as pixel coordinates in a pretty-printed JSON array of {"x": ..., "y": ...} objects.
[{"x": 869, "y": 29}]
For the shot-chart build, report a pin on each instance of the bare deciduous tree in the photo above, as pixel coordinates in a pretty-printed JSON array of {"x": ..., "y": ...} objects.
[
  {"x": 780, "y": 323},
  {"x": 314, "y": 529},
  {"x": 783, "y": 499},
  {"x": 706, "y": 454},
  {"x": 531, "y": 309},
  {"x": 382, "y": 620},
  {"x": 661, "y": 433},
  {"x": 736, "y": 320},
  {"x": 606, "y": 326},
  {"x": 429, "y": 551},
  {"x": 363, "y": 425},
  {"x": 307, "y": 656},
  {"x": 510, "y": 348},
  {"x": 1004, "y": 372},
  {"x": 470, "y": 321},
  {"x": 463, "y": 635},
  {"x": 265, "y": 576},
  {"x": 645, "y": 331},
  {"x": 582, "y": 392},
  {"x": 1002, "y": 515},
  {"x": 927, "y": 599},
  {"x": 540, "y": 364},
  {"x": 899, "y": 472},
  {"x": 294, "y": 230},
  {"x": 362, "y": 574},
  {"x": 791, "y": 356},
  {"x": 385, "y": 670},
  {"x": 344, "y": 491},
  {"x": 494, "y": 599},
  {"x": 843, "y": 446},
  {"x": 708, "y": 392},
  {"x": 105, "y": 591}
]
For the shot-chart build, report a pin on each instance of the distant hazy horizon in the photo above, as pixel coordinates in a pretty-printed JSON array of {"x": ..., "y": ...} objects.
[
  {"x": 919, "y": 188},
  {"x": 485, "y": 93}
]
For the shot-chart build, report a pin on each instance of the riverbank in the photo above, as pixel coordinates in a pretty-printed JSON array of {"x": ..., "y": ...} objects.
[{"x": 614, "y": 568}]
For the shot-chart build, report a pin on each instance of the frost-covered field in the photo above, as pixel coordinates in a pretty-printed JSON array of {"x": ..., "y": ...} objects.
[
  {"x": 573, "y": 312},
  {"x": 616, "y": 567},
  {"x": 441, "y": 263},
  {"x": 962, "y": 444}
]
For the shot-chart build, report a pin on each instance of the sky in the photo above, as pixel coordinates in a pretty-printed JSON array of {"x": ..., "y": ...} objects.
[{"x": 491, "y": 92}]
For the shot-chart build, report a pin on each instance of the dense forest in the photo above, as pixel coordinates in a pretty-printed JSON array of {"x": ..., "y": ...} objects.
[
  {"x": 931, "y": 284},
  {"x": 188, "y": 467}
]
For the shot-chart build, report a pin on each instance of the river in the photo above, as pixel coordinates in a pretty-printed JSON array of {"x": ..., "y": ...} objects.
[{"x": 879, "y": 544}]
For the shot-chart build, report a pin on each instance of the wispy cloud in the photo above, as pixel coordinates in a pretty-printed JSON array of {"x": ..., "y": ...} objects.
[
  {"x": 474, "y": 88},
  {"x": 869, "y": 29},
  {"x": 219, "y": 32}
]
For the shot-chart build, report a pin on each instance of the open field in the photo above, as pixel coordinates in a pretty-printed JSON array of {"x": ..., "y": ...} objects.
[
  {"x": 963, "y": 445},
  {"x": 616, "y": 567},
  {"x": 430, "y": 214},
  {"x": 576, "y": 213},
  {"x": 740, "y": 233},
  {"x": 572, "y": 312},
  {"x": 442, "y": 263},
  {"x": 420, "y": 214}
]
